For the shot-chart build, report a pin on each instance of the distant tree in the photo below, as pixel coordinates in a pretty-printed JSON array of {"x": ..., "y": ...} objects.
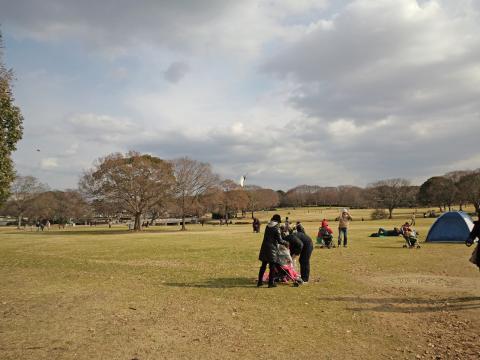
[
  {"x": 462, "y": 197},
  {"x": 259, "y": 199},
  {"x": 133, "y": 182},
  {"x": 23, "y": 192},
  {"x": 68, "y": 205},
  {"x": 234, "y": 198},
  {"x": 11, "y": 129},
  {"x": 469, "y": 186},
  {"x": 438, "y": 191},
  {"x": 192, "y": 180},
  {"x": 282, "y": 195},
  {"x": 390, "y": 194},
  {"x": 349, "y": 195}
]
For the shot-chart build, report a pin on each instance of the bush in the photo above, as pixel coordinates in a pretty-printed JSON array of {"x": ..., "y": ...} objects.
[{"x": 378, "y": 214}]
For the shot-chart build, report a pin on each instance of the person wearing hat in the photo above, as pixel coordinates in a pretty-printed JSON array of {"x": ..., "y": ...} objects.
[
  {"x": 269, "y": 249},
  {"x": 343, "y": 222}
]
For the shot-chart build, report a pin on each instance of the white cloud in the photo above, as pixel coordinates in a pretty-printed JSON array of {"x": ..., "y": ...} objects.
[
  {"x": 49, "y": 163},
  {"x": 280, "y": 90}
]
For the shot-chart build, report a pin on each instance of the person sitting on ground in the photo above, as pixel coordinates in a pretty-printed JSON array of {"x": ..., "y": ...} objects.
[
  {"x": 410, "y": 236},
  {"x": 272, "y": 238},
  {"x": 405, "y": 228},
  {"x": 325, "y": 234}
]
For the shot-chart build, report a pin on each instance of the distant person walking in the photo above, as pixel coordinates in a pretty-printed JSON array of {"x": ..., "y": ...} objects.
[
  {"x": 256, "y": 225},
  {"x": 269, "y": 250},
  {"x": 343, "y": 222}
]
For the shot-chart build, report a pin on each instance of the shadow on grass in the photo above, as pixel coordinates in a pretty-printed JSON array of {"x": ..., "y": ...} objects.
[
  {"x": 218, "y": 283},
  {"x": 410, "y": 305}
]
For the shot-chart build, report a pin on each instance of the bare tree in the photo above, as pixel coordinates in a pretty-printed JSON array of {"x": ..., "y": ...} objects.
[
  {"x": 390, "y": 194},
  {"x": 192, "y": 180},
  {"x": 233, "y": 198},
  {"x": 23, "y": 191},
  {"x": 259, "y": 199},
  {"x": 134, "y": 182}
]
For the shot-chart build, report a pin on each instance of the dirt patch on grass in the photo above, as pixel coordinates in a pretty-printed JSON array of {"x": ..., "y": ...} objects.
[{"x": 426, "y": 282}]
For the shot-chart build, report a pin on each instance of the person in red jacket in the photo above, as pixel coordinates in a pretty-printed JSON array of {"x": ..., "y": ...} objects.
[{"x": 325, "y": 237}]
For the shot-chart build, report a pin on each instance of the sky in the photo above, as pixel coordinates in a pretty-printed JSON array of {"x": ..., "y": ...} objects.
[{"x": 288, "y": 92}]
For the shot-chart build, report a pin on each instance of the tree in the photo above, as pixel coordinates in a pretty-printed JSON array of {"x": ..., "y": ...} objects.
[
  {"x": 233, "y": 198},
  {"x": 469, "y": 186},
  {"x": 134, "y": 182},
  {"x": 58, "y": 206},
  {"x": 438, "y": 191},
  {"x": 390, "y": 194},
  {"x": 23, "y": 191},
  {"x": 259, "y": 199},
  {"x": 462, "y": 196},
  {"x": 192, "y": 180},
  {"x": 11, "y": 129}
]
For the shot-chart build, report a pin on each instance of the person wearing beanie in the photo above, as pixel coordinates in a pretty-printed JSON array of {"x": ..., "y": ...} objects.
[
  {"x": 269, "y": 249},
  {"x": 343, "y": 222}
]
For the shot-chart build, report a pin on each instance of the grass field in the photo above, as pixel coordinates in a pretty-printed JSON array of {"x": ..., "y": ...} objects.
[{"x": 99, "y": 293}]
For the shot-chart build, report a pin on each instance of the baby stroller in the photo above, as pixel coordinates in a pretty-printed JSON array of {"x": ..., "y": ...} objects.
[
  {"x": 284, "y": 270},
  {"x": 325, "y": 239},
  {"x": 411, "y": 240}
]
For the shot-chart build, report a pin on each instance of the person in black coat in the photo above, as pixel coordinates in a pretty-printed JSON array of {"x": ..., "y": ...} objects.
[
  {"x": 269, "y": 250},
  {"x": 474, "y": 234},
  {"x": 305, "y": 255}
]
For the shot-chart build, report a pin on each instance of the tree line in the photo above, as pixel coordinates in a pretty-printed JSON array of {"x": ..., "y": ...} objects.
[
  {"x": 454, "y": 188},
  {"x": 144, "y": 188},
  {"x": 137, "y": 186}
]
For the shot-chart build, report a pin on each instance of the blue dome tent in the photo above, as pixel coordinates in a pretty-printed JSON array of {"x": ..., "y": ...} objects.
[{"x": 453, "y": 226}]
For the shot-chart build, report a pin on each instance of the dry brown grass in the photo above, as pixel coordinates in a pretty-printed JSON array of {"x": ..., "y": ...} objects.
[{"x": 109, "y": 294}]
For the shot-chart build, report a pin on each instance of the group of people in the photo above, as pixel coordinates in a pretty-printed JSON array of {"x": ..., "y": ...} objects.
[
  {"x": 276, "y": 239},
  {"x": 406, "y": 230}
]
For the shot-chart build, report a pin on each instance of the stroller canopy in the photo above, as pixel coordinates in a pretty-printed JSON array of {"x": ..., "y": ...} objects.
[{"x": 453, "y": 226}]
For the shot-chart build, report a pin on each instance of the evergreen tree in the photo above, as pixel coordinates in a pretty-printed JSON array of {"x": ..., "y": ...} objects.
[{"x": 11, "y": 129}]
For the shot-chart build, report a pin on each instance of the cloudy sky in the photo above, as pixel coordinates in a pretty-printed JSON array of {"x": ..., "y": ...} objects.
[{"x": 291, "y": 92}]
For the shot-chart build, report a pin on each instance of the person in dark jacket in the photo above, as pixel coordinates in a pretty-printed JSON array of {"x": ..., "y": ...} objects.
[
  {"x": 299, "y": 227},
  {"x": 256, "y": 225},
  {"x": 474, "y": 234},
  {"x": 269, "y": 249},
  {"x": 295, "y": 246},
  {"x": 305, "y": 255}
]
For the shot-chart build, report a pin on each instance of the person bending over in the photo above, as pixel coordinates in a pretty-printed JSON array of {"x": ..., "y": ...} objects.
[{"x": 305, "y": 255}]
